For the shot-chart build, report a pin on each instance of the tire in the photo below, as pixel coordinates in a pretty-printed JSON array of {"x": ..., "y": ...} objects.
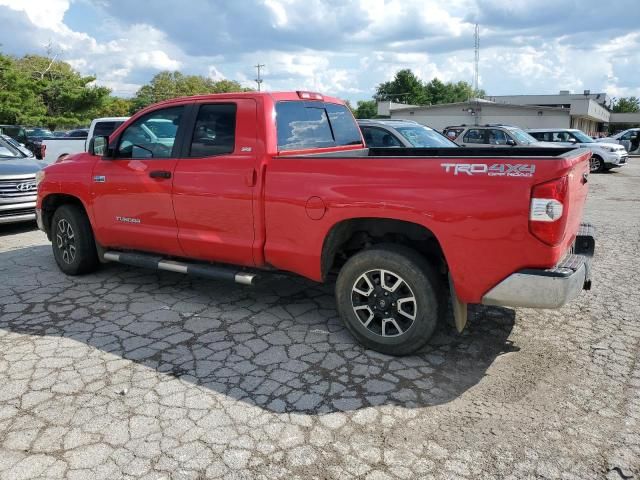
[
  {"x": 72, "y": 241},
  {"x": 365, "y": 316},
  {"x": 596, "y": 164}
]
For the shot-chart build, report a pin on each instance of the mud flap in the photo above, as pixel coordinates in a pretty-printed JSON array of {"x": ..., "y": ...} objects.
[{"x": 459, "y": 308}]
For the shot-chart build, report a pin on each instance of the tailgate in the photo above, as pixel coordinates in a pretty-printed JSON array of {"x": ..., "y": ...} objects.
[{"x": 578, "y": 186}]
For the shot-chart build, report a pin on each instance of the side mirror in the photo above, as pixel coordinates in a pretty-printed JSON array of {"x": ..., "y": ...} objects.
[
  {"x": 511, "y": 141},
  {"x": 573, "y": 140},
  {"x": 98, "y": 145}
]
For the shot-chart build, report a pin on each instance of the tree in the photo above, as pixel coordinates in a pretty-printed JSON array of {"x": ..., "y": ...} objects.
[
  {"x": 67, "y": 96},
  {"x": 627, "y": 105},
  {"x": 406, "y": 87},
  {"x": 366, "y": 109},
  {"x": 19, "y": 103},
  {"x": 113, "y": 107},
  {"x": 166, "y": 85}
]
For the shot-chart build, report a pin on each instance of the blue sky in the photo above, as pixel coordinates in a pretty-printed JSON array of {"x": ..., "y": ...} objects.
[{"x": 339, "y": 47}]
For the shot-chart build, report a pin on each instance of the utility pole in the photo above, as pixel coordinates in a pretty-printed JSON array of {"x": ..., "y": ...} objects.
[
  {"x": 476, "y": 60},
  {"x": 259, "y": 78}
]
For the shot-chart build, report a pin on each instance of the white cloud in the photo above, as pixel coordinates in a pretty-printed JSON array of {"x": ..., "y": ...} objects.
[
  {"x": 44, "y": 13},
  {"x": 341, "y": 48}
]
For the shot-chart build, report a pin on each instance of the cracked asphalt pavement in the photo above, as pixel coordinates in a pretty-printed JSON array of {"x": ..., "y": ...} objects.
[{"x": 128, "y": 373}]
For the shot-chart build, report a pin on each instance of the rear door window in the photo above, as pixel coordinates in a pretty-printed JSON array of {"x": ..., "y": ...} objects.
[
  {"x": 474, "y": 135},
  {"x": 215, "y": 131}
]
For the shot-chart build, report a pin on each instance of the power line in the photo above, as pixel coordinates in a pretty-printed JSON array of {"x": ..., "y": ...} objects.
[{"x": 259, "y": 78}]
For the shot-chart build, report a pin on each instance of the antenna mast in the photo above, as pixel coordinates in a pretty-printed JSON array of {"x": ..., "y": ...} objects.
[
  {"x": 259, "y": 78},
  {"x": 476, "y": 60}
]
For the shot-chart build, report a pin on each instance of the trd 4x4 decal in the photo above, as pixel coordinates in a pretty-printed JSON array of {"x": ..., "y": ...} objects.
[{"x": 494, "y": 170}]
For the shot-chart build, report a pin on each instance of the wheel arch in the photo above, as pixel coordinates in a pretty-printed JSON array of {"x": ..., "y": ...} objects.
[
  {"x": 52, "y": 202},
  {"x": 352, "y": 235}
]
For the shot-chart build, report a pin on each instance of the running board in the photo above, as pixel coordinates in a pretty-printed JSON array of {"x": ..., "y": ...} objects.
[{"x": 197, "y": 269}]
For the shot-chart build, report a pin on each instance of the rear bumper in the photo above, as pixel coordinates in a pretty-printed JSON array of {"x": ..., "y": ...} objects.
[{"x": 551, "y": 288}]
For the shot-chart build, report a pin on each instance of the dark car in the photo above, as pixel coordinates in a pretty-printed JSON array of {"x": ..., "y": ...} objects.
[
  {"x": 79, "y": 133},
  {"x": 15, "y": 131},
  {"x": 18, "y": 189},
  {"x": 402, "y": 133}
]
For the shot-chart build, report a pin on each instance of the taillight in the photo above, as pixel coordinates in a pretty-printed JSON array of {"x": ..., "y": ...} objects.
[
  {"x": 43, "y": 150},
  {"x": 547, "y": 215}
]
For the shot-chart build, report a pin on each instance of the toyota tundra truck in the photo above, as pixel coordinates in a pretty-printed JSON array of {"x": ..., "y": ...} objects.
[{"x": 241, "y": 185}]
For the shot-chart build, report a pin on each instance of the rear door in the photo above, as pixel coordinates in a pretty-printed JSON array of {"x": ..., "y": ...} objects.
[
  {"x": 215, "y": 182},
  {"x": 132, "y": 203}
]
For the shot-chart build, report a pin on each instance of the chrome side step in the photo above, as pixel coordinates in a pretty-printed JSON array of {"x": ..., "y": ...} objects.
[{"x": 196, "y": 269}]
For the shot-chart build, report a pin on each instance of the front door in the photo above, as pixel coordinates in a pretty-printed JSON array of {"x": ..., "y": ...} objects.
[
  {"x": 132, "y": 203},
  {"x": 215, "y": 183}
]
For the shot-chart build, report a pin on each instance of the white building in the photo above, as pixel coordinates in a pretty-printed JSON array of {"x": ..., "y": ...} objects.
[
  {"x": 587, "y": 111},
  {"x": 478, "y": 112}
]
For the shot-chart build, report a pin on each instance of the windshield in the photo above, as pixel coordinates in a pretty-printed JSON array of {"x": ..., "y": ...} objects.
[
  {"x": 424, "y": 137},
  {"x": 15, "y": 144},
  {"x": 582, "y": 137},
  {"x": 522, "y": 136},
  {"x": 7, "y": 150},
  {"x": 40, "y": 132}
]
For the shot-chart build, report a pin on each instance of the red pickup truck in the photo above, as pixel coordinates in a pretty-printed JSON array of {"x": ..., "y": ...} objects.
[{"x": 226, "y": 186}]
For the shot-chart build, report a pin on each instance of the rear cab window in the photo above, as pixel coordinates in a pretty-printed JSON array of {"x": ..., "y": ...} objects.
[
  {"x": 309, "y": 125},
  {"x": 104, "y": 129}
]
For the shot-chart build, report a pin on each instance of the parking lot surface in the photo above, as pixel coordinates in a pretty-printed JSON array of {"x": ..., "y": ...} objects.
[{"x": 129, "y": 373}]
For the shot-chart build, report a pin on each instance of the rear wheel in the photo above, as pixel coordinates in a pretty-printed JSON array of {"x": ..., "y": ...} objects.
[
  {"x": 387, "y": 297},
  {"x": 596, "y": 164},
  {"x": 72, "y": 240}
]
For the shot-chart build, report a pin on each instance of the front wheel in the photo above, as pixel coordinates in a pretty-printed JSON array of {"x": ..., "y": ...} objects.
[
  {"x": 387, "y": 297},
  {"x": 596, "y": 164},
  {"x": 72, "y": 239}
]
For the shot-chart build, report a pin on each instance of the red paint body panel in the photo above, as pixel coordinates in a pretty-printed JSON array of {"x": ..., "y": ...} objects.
[
  {"x": 218, "y": 209},
  {"x": 213, "y": 197}
]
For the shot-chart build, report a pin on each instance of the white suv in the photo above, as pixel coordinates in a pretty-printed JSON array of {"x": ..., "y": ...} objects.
[
  {"x": 627, "y": 138},
  {"x": 603, "y": 155}
]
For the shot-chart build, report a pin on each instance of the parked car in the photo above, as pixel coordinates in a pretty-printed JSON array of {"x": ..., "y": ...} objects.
[
  {"x": 283, "y": 181},
  {"x": 16, "y": 132},
  {"x": 18, "y": 169},
  {"x": 401, "y": 133},
  {"x": 493, "y": 135},
  {"x": 604, "y": 156},
  {"x": 35, "y": 136},
  {"x": 629, "y": 139},
  {"x": 78, "y": 133},
  {"x": 60, "y": 133},
  {"x": 54, "y": 148}
]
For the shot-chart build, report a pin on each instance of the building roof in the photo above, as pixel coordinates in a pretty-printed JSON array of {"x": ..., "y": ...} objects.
[{"x": 476, "y": 102}]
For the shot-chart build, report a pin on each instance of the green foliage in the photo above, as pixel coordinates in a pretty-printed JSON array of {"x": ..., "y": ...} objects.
[
  {"x": 19, "y": 102},
  {"x": 406, "y": 87},
  {"x": 166, "y": 85},
  {"x": 366, "y": 109},
  {"x": 67, "y": 96},
  {"x": 627, "y": 105}
]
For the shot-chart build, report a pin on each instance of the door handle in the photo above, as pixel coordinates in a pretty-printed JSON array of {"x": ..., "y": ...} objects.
[
  {"x": 252, "y": 178},
  {"x": 160, "y": 174}
]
